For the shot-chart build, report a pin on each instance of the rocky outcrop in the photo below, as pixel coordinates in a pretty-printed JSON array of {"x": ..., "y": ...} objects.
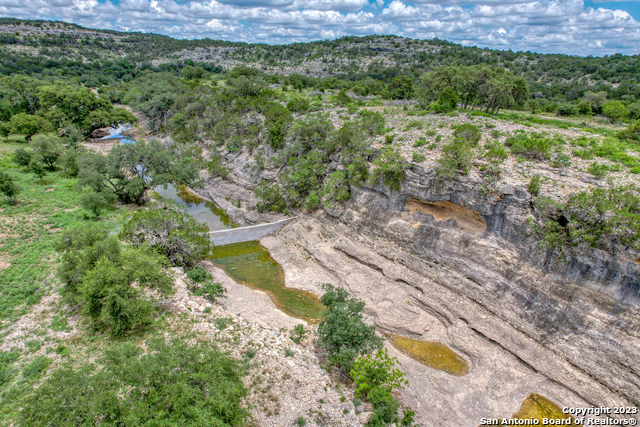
[{"x": 443, "y": 262}]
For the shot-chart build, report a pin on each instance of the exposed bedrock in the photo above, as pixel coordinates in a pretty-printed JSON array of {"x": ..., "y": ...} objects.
[{"x": 445, "y": 263}]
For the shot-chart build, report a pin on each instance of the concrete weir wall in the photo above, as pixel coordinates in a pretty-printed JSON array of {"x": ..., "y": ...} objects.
[{"x": 246, "y": 234}]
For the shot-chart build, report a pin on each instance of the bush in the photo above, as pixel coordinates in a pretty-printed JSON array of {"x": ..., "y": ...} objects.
[
  {"x": 22, "y": 157},
  {"x": 108, "y": 280},
  {"x": 343, "y": 332},
  {"x": 561, "y": 161},
  {"x": 456, "y": 159},
  {"x": 614, "y": 111},
  {"x": 389, "y": 168},
  {"x": 271, "y": 197},
  {"x": 534, "y": 185},
  {"x": 96, "y": 202},
  {"x": 373, "y": 122},
  {"x": 336, "y": 188},
  {"x": 568, "y": 109},
  {"x": 598, "y": 170},
  {"x": 533, "y": 146},
  {"x": 37, "y": 167},
  {"x": 216, "y": 168},
  {"x": 298, "y": 105},
  {"x": 469, "y": 134},
  {"x": 209, "y": 290},
  {"x": 48, "y": 148},
  {"x": 419, "y": 157},
  {"x": 166, "y": 227},
  {"x": 376, "y": 371},
  {"x": 298, "y": 333},
  {"x": 199, "y": 275},
  {"x": 170, "y": 383},
  {"x": 8, "y": 187}
]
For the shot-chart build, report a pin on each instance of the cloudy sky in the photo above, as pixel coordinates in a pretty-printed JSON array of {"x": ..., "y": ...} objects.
[{"x": 591, "y": 27}]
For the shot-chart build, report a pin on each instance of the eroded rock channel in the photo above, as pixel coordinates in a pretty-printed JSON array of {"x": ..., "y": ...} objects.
[{"x": 451, "y": 266}]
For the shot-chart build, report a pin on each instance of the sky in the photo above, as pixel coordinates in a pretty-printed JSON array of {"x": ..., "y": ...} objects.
[{"x": 577, "y": 27}]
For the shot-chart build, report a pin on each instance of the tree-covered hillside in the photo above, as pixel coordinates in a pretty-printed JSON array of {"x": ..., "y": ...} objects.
[{"x": 98, "y": 57}]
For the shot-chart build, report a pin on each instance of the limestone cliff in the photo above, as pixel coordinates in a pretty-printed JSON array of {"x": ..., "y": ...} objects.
[{"x": 444, "y": 262}]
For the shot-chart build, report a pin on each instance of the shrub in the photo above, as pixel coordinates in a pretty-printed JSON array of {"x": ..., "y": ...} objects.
[
  {"x": 96, "y": 202},
  {"x": 170, "y": 383},
  {"x": 298, "y": 105},
  {"x": 336, "y": 188},
  {"x": 271, "y": 197},
  {"x": 199, "y": 275},
  {"x": 37, "y": 167},
  {"x": 614, "y": 111},
  {"x": 298, "y": 333},
  {"x": 597, "y": 217},
  {"x": 166, "y": 227},
  {"x": 48, "y": 148},
  {"x": 561, "y": 161},
  {"x": 468, "y": 133},
  {"x": 567, "y": 109},
  {"x": 343, "y": 332},
  {"x": 456, "y": 159},
  {"x": 420, "y": 142},
  {"x": 210, "y": 291},
  {"x": 388, "y": 139},
  {"x": 419, "y": 157},
  {"x": 376, "y": 371},
  {"x": 598, "y": 170},
  {"x": 8, "y": 187},
  {"x": 108, "y": 280},
  {"x": 22, "y": 157},
  {"x": 216, "y": 168},
  {"x": 534, "y": 185},
  {"x": 342, "y": 98},
  {"x": 389, "y": 168},
  {"x": 533, "y": 146},
  {"x": 373, "y": 122}
]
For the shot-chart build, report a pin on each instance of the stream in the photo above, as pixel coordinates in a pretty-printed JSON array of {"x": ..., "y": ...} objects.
[{"x": 248, "y": 263}]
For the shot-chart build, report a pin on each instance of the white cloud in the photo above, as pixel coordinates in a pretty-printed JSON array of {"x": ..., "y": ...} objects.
[{"x": 565, "y": 26}]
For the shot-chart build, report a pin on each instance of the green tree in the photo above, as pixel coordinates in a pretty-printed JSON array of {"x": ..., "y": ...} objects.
[
  {"x": 373, "y": 122},
  {"x": 448, "y": 100},
  {"x": 96, "y": 202},
  {"x": 376, "y": 370},
  {"x": 8, "y": 187},
  {"x": 166, "y": 227},
  {"x": 49, "y": 149},
  {"x": 131, "y": 169},
  {"x": 22, "y": 157},
  {"x": 37, "y": 167},
  {"x": 343, "y": 332},
  {"x": 28, "y": 125},
  {"x": 401, "y": 87},
  {"x": 615, "y": 111},
  {"x": 170, "y": 382},
  {"x": 109, "y": 296}
]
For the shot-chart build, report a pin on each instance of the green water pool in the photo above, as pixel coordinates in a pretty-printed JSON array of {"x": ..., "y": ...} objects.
[{"x": 250, "y": 264}]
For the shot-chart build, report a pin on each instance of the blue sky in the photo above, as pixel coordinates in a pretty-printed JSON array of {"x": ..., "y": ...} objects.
[{"x": 577, "y": 27}]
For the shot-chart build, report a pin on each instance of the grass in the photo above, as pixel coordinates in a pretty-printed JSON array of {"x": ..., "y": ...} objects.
[{"x": 28, "y": 230}]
